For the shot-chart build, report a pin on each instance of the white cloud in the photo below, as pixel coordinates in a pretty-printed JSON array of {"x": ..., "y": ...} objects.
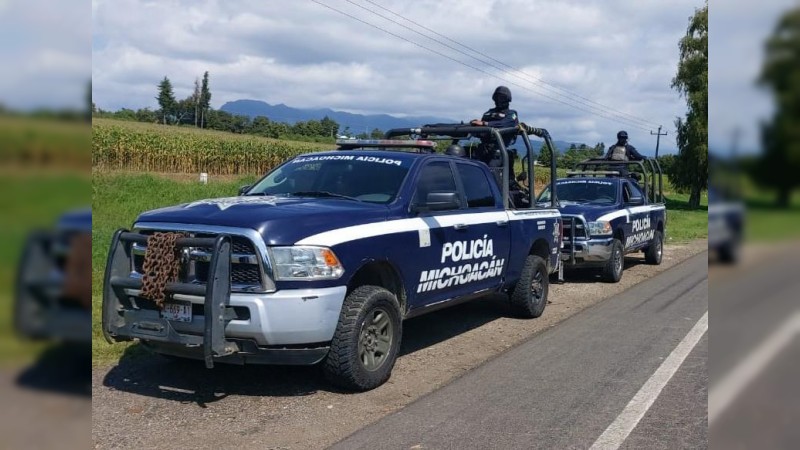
[
  {"x": 621, "y": 54},
  {"x": 44, "y": 49}
]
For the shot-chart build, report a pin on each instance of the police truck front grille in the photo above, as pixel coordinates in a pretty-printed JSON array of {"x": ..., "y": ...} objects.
[
  {"x": 246, "y": 272},
  {"x": 580, "y": 228}
]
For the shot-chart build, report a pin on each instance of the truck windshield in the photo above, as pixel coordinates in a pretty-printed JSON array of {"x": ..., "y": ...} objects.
[
  {"x": 596, "y": 192},
  {"x": 363, "y": 178}
]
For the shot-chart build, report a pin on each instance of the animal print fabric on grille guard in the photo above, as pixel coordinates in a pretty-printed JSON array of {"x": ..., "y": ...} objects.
[{"x": 162, "y": 263}]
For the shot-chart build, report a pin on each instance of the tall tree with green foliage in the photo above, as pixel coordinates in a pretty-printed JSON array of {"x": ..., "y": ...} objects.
[
  {"x": 780, "y": 163},
  {"x": 196, "y": 100},
  {"x": 545, "y": 155},
  {"x": 166, "y": 99},
  {"x": 690, "y": 172},
  {"x": 205, "y": 99}
]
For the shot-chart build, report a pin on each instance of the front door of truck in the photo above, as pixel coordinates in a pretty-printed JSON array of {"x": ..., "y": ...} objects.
[{"x": 481, "y": 245}]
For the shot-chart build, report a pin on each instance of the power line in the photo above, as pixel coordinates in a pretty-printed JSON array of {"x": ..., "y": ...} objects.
[
  {"x": 518, "y": 72},
  {"x": 599, "y": 111},
  {"x": 603, "y": 115}
]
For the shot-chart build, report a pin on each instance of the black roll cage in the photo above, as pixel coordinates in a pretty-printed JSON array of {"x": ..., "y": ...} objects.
[
  {"x": 649, "y": 167},
  {"x": 458, "y": 131}
]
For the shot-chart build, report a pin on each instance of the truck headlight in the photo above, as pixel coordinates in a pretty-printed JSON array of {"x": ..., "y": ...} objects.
[
  {"x": 601, "y": 228},
  {"x": 299, "y": 263}
]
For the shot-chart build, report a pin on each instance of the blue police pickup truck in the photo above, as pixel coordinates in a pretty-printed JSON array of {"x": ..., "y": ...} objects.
[
  {"x": 607, "y": 214},
  {"x": 725, "y": 225},
  {"x": 52, "y": 298},
  {"x": 322, "y": 259}
]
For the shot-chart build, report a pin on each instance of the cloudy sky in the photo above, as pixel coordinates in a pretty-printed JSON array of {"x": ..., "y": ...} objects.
[
  {"x": 45, "y": 57},
  {"x": 738, "y": 30},
  {"x": 583, "y": 69}
]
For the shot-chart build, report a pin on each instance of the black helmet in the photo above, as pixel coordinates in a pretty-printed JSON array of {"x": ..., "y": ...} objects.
[
  {"x": 622, "y": 136},
  {"x": 502, "y": 95},
  {"x": 455, "y": 150}
]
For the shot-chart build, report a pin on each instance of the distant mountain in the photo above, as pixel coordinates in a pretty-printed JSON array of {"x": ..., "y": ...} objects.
[{"x": 358, "y": 123}]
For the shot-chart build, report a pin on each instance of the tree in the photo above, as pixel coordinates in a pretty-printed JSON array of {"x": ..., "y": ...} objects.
[
  {"x": 205, "y": 99},
  {"x": 667, "y": 163},
  {"x": 599, "y": 150},
  {"x": 146, "y": 115},
  {"x": 780, "y": 163},
  {"x": 690, "y": 171},
  {"x": 196, "y": 101},
  {"x": 91, "y": 105},
  {"x": 166, "y": 99},
  {"x": 184, "y": 110},
  {"x": 545, "y": 155},
  {"x": 376, "y": 134},
  {"x": 329, "y": 127}
]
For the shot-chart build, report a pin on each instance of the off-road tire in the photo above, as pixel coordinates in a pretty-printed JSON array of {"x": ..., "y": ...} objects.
[
  {"x": 655, "y": 251},
  {"x": 524, "y": 302},
  {"x": 728, "y": 253},
  {"x": 343, "y": 365},
  {"x": 612, "y": 272}
]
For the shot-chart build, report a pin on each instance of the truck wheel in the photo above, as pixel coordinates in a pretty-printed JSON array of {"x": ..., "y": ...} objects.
[
  {"x": 655, "y": 251},
  {"x": 728, "y": 253},
  {"x": 612, "y": 272},
  {"x": 366, "y": 341},
  {"x": 530, "y": 294}
]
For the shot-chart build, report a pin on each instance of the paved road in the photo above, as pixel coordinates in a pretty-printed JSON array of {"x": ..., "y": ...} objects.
[
  {"x": 565, "y": 387},
  {"x": 756, "y": 348}
]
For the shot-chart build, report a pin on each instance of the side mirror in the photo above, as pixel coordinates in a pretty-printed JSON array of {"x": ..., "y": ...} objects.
[
  {"x": 442, "y": 201},
  {"x": 244, "y": 189},
  {"x": 636, "y": 200}
]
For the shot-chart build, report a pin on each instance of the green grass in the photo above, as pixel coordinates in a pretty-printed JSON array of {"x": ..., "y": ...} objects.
[
  {"x": 31, "y": 200},
  {"x": 117, "y": 199},
  {"x": 767, "y": 223},
  {"x": 683, "y": 223}
]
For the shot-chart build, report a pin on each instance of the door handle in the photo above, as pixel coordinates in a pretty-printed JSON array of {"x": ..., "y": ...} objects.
[
  {"x": 460, "y": 226},
  {"x": 502, "y": 223}
]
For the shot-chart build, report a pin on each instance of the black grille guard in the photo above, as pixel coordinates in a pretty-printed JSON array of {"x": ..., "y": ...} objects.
[{"x": 122, "y": 321}]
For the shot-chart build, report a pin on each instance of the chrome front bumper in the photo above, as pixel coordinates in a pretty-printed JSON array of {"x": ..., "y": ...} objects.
[
  {"x": 587, "y": 251},
  {"x": 287, "y": 317}
]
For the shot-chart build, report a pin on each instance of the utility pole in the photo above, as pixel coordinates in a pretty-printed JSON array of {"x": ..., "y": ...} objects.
[
  {"x": 658, "y": 138},
  {"x": 736, "y": 134}
]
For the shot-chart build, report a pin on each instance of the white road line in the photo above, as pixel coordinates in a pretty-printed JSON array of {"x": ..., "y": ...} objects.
[
  {"x": 721, "y": 395},
  {"x": 626, "y": 421}
]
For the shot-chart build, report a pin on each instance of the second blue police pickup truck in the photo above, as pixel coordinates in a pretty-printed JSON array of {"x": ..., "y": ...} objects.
[
  {"x": 322, "y": 259},
  {"x": 608, "y": 214}
]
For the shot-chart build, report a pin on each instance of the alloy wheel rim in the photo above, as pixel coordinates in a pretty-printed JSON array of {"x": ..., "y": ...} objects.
[
  {"x": 375, "y": 340},
  {"x": 537, "y": 287}
]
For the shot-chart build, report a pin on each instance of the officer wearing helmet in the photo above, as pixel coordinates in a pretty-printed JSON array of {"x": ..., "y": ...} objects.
[
  {"x": 455, "y": 150},
  {"x": 622, "y": 151},
  {"x": 500, "y": 116}
]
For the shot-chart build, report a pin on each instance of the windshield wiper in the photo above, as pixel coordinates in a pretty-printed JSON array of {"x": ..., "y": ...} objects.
[{"x": 323, "y": 194}]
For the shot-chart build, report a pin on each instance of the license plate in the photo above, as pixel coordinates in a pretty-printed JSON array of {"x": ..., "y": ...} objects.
[{"x": 177, "y": 311}]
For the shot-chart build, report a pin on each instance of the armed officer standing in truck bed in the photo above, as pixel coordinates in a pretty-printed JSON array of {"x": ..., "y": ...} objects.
[
  {"x": 500, "y": 116},
  {"x": 622, "y": 151}
]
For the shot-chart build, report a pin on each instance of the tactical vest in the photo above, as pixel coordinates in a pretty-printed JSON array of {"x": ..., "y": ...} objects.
[{"x": 618, "y": 153}]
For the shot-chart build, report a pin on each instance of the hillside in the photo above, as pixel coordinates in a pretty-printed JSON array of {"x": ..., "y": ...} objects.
[{"x": 358, "y": 123}]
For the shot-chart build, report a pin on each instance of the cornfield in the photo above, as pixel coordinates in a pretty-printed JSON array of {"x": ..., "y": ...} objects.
[
  {"x": 43, "y": 143},
  {"x": 118, "y": 145}
]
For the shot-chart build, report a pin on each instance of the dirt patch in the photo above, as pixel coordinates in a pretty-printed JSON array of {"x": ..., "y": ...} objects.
[{"x": 147, "y": 401}]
